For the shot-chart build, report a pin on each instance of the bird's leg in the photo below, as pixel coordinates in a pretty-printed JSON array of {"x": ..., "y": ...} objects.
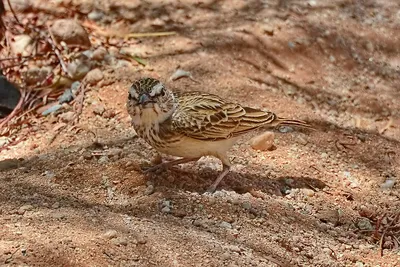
[
  {"x": 226, "y": 167},
  {"x": 221, "y": 176},
  {"x": 166, "y": 165}
]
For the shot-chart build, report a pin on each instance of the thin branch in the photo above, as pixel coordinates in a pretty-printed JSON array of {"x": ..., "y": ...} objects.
[
  {"x": 51, "y": 41},
  {"x": 78, "y": 106},
  {"x": 32, "y": 57},
  {"x": 12, "y": 11}
]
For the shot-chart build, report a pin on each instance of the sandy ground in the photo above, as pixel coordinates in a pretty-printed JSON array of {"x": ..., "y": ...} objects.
[{"x": 316, "y": 200}]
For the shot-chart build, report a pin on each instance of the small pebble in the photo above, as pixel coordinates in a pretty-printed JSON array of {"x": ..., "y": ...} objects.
[
  {"x": 225, "y": 256},
  {"x": 142, "y": 241},
  {"x": 246, "y": 205},
  {"x": 95, "y": 15},
  {"x": 181, "y": 73},
  {"x": 166, "y": 209},
  {"x": 99, "y": 109},
  {"x": 179, "y": 213},
  {"x": 52, "y": 109},
  {"x": 263, "y": 142},
  {"x": 67, "y": 96},
  {"x": 225, "y": 225},
  {"x": 234, "y": 248},
  {"x": 24, "y": 208},
  {"x": 88, "y": 53},
  {"x": 99, "y": 54},
  {"x": 302, "y": 140},
  {"x": 289, "y": 181},
  {"x": 120, "y": 241},
  {"x": 199, "y": 223},
  {"x": 67, "y": 116},
  {"x": 308, "y": 192},
  {"x": 75, "y": 86},
  {"x": 94, "y": 76},
  {"x": 110, "y": 234},
  {"x": 103, "y": 159},
  {"x": 364, "y": 224},
  {"x": 56, "y": 205},
  {"x": 149, "y": 190},
  {"x": 286, "y": 129},
  {"x": 166, "y": 203},
  {"x": 79, "y": 68},
  {"x": 388, "y": 184}
]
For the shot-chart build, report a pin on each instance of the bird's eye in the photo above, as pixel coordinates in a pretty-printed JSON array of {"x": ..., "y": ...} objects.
[{"x": 163, "y": 93}]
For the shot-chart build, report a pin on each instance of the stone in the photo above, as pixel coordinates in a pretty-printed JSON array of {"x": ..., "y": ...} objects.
[
  {"x": 99, "y": 54},
  {"x": 166, "y": 209},
  {"x": 66, "y": 97},
  {"x": 103, "y": 159},
  {"x": 263, "y": 142},
  {"x": 308, "y": 192},
  {"x": 225, "y": 225},
  {"x": 286, "y": 129},
  {"x": 120, "y": 241},
  {"x": 75, "y": 86},
  {"x": 149, "y": 190},
  {"x": 369, "y": 47},
  {"x": 67, "y": 116},
  {"x": 70, "y": 32},
  {"x": 158, "y": 23},
  {"x": 79, "y": 67},
  {"x": 52, "y": 109},
  {"x": 94, "y": 76},
  {"x": 20, "y": 45},
  {"x": 246, "y": 205},
  {"x": 364, "y": 224},
  {"x": 24, "y": 208},
  {"x": 96, "y": 15},
  {"x": 99, "y": 109},
  {"x": 388, "y": 184},
  {"x": 110, "y": 234}
]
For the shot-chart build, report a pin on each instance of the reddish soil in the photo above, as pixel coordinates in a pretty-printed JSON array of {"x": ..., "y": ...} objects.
[{"x": 313, "y": 201}]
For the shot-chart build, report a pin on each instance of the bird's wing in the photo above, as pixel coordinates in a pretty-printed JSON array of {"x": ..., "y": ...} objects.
[{"x": 209, "y": 117}]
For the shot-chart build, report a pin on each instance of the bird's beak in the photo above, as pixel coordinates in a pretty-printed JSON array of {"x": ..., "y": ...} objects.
[{"x": 143, "y": 99}]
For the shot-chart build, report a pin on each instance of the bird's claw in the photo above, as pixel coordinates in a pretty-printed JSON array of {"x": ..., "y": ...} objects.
[{"x": 155, "y": 168}]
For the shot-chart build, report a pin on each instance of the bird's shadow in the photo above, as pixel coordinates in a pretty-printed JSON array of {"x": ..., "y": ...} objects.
[{"x": 195, "y": 180}]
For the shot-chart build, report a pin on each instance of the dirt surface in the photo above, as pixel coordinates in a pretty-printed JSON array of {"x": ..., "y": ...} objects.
[{"x": 321, "y": 198}]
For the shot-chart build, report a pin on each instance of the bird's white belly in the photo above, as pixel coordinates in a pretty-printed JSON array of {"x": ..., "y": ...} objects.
[{"x": 193, "y": 148}]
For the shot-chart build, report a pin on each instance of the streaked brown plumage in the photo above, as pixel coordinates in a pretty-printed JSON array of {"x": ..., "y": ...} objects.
[{"x": 193, "y": 124}]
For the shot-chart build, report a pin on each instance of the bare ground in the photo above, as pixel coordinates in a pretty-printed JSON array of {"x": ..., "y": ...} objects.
[{"x": 314, "y": 201}]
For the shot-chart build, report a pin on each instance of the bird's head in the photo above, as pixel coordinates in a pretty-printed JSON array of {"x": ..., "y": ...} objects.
[{"x": 150, "y": 102}]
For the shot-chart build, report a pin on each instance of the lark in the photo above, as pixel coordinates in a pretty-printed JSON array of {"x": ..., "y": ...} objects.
[{"x": 191, "y": 125}]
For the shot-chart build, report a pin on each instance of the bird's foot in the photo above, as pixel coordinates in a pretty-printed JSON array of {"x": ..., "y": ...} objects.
[
  {"x": 215, "y": 184},
  {"x": 158, "y": 167}
]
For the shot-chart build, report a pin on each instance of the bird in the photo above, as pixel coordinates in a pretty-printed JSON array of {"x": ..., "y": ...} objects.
[{"x": 190, "y": 125}]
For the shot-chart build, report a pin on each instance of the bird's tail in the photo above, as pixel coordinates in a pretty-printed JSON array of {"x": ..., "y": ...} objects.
[
  {"x": 290, "y": 122},
  {"x": 255, "y": 118}
]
